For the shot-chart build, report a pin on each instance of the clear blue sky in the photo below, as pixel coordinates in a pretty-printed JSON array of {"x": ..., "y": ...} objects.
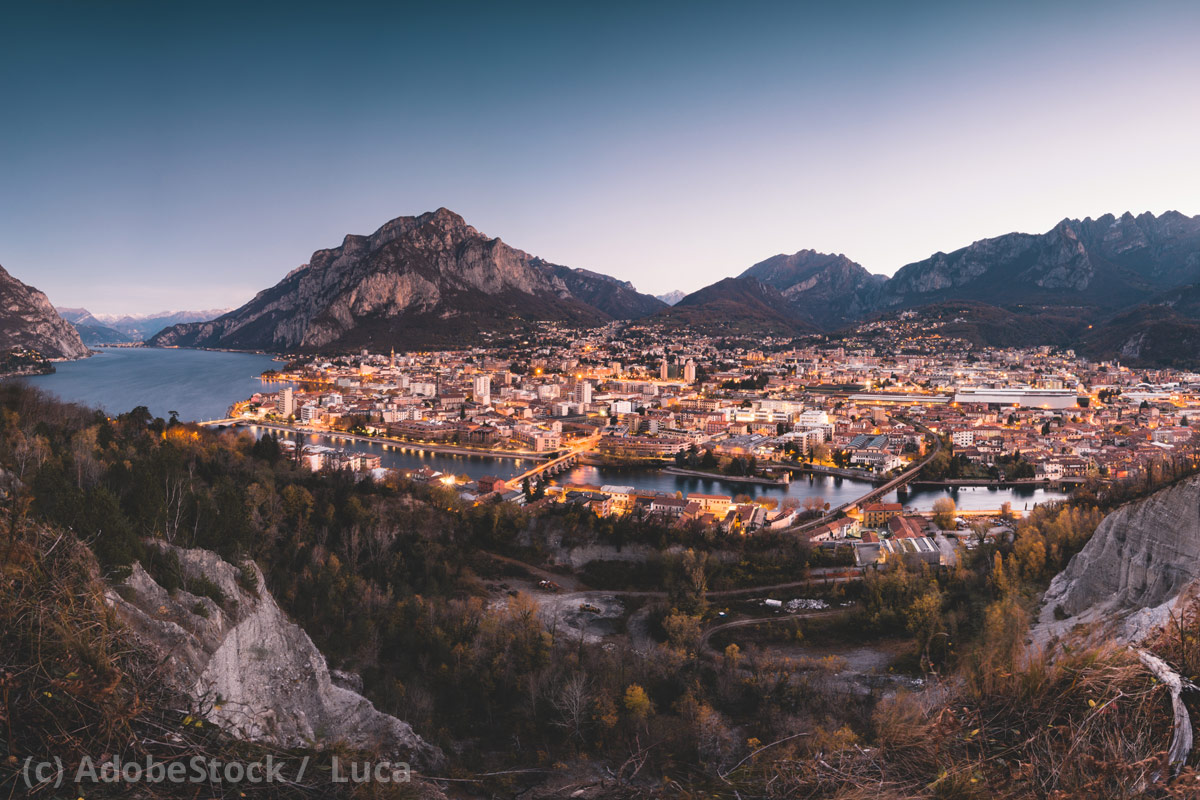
[{"x": 185, "y": 155}]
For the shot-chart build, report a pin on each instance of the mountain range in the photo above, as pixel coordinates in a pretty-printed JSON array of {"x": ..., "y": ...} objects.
[
  {"x": 97, "y": 329},
  {"x": 1125, "y": 287}
]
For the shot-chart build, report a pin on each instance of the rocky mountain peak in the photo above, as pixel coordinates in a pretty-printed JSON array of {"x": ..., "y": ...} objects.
[{"x": 416, "y": 280}]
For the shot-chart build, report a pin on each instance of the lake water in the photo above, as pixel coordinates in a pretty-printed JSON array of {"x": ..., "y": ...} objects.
[
  {"x": 202, "y": 384},
  {"x": 199, "y": 384},
  {"x": 410, "y": 458}
]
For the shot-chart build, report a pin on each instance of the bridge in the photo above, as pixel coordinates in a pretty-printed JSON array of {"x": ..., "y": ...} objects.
[
  {"x": 556, "y": 465},
  {"x": 902, "y": 479}
]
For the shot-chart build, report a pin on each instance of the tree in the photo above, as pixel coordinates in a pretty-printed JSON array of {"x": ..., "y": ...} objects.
[
  {"x": 813, "y": 504},
  {"x": 683, "y": 632},
  {"x": 687, "y": 586},
  {"x": 923, "y": 619},
  {"x": 572, "y": 704},
  {"x": 943, "y": 512},
  {"x": 638, "y": 704}
]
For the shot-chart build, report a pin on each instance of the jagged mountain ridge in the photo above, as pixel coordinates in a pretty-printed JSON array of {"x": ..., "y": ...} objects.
[
  {"x": 424, "y": 280},
  {"x": 28, "y": 320},
  {"x": 1021, "y": 286},
  {"x": 1109, "y": 263}
]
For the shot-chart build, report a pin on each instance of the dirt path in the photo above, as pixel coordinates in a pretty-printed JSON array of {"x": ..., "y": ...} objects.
[{"x": 744, "y": 623}]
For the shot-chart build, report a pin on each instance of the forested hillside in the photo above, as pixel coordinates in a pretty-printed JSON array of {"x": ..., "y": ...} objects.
[{"x": 396, "y": 581}]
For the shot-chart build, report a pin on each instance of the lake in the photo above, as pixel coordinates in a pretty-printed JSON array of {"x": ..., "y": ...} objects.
[
  {"x": 202, "y": 384},
  {"x": 199, "y": 384}
]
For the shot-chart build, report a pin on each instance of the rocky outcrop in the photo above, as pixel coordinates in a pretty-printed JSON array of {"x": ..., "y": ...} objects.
[
  {"x": 28, "y": 321},
  {"x": 251, "y": 670},
  {"x": 1139, "y": 565},
  {"x": 430, "y": 279}
]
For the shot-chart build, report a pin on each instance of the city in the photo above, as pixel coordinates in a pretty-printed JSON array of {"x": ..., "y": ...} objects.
[
  {"x": 951, "y": 415},
  {"x": 600, "y": 401}
]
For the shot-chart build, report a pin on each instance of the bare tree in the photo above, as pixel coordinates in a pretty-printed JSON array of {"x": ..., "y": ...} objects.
[
  {"x": 572, "y": 705},
  {"x": 814, "y": 504},
  {"x": 174, "y": 490}
]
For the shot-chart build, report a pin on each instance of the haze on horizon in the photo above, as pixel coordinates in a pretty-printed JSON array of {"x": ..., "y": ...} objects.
[{"x": 187, "y": 156}]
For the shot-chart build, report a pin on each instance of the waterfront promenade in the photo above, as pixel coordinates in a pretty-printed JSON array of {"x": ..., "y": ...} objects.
[{"x": 387, "y": 441}]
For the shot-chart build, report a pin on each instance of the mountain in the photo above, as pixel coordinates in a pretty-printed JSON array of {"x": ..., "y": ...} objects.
[
  {"x": 1151, "y": 335},
  {"x": 27, "y": 320},
  {"x": 417, "y": 281},
  {"x": 672, "y": 297},
  {"x": 1108, "y": 263},
  {"x": 736, "y": 306},
  {"x": 616, "y": 298},
  {"x": 829, "y": 289},
  {"x": 124, "y": 328},
  {"x": 92, "y": 330},
  {"x": 143, "y": 326}
]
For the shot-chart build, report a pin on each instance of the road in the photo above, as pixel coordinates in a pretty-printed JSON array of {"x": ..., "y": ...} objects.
[
  {"x": 745, "y": 623},
  {"x": 820, "y": 575}
]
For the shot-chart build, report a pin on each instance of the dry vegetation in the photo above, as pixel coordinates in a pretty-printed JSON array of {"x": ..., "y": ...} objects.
[{"x": 383, "y": 578}]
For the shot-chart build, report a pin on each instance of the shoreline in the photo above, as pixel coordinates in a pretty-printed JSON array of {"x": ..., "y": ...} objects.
[
  {"x": 454, "y": 450},
  {"x": 696, "y": 473}
]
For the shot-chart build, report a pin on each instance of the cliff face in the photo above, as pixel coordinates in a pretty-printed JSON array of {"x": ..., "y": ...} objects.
[
  {"x": 1109, "y": 262},
  {"x": 419, "y": 280},
  {"x": 1142, "y": 559},
  {"x": 28, "y": 320},
  {"x": 618, "y": 299},
  {"x": 258, "y": 674}
]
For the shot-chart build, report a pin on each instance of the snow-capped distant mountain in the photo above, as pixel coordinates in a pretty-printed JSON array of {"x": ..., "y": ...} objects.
[{"x": 127, "y": 328}]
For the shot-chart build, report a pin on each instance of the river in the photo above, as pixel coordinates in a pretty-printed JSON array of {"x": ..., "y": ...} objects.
[{"x": 202, "y": 384}]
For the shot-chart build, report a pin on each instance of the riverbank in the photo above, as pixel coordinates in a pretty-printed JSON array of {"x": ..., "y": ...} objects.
[
  {"x": 998, "y": 484},
  {"x": 817, "y": 469},
  {"x": 452, "y": 450},
  {"x": 716, "y": 476}
]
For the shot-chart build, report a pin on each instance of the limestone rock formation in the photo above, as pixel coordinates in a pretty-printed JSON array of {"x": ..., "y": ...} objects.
[
  {"x": 429, "y": 279},
  {"x": 252, "y": 671},
  {"x": 1108, "y": 263},
  {"x": 29, "y": 321},
  {"x": 1139, "y": 565}
]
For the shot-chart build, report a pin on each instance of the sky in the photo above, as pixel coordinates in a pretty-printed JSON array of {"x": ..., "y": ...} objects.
[{"x": 161, "y": 155}]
